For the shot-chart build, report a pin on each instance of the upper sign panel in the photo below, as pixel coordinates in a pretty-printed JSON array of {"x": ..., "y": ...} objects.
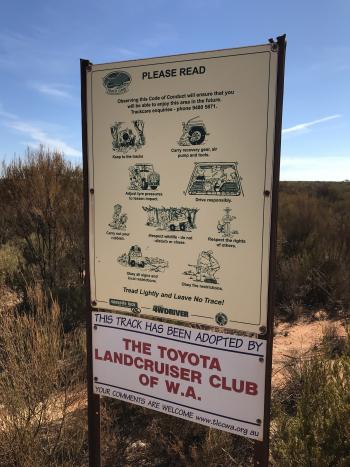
[{"x": 180, "y": 154}]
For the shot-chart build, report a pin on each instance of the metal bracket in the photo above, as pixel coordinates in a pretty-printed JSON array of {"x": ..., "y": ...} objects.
[{"x": 274, "y": 45}]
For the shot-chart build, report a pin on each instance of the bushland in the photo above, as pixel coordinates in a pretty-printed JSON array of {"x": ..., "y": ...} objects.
[
  {"x": 313, "y": 249},
  {"x": 41, "y": 229},
  {"x": 42, "y": 387},
  {"x": 42, "y": 402}
]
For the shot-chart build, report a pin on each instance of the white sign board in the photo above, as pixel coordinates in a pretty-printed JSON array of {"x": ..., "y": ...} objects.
[
  {"x": 180, "y": 170},
  {"x": 205, "y": 377}
]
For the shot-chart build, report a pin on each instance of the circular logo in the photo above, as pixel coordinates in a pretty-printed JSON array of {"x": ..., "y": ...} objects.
[
  {"x": 221, "y": 319},
  {"x": 117, "y": 82},
  {"x": 136, "y": 310}
]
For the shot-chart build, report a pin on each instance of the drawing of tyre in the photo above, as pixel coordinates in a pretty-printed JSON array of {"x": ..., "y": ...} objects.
[
  {"x": 193, "y": 132},
  {"x": 153, "y": 180},
  {"x": 178, "y": 226},
  {"x": 215, "y": 178},
  {"x": 196, "y": 135}
]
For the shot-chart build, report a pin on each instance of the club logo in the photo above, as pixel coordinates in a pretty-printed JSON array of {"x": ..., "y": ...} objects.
[
  {"x": 117, "y": 82},
  {"x": 221, "y": 319}
]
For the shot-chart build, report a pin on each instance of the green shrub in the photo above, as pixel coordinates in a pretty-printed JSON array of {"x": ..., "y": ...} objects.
[{"x": 311, "y": 425}]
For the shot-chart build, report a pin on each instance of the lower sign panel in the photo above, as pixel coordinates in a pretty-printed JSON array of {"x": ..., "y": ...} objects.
[{"x": 204, "y": 377}]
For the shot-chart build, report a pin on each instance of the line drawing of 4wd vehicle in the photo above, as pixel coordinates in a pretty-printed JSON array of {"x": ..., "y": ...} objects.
[
  {"x": 135, "y": 257},
  {"x": 179, "y": 224},
  {"x": 143, "y": 177},
  {"x": 193, "y": 132},
  {"x": 171, "y": 218},
  {"x": 215, "y": 178}
]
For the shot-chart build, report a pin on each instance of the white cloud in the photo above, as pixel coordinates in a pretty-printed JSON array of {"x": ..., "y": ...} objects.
[
  {"x": 305, "y": 126},
  {"x": 37, "y": 135},
  {"x": 54, "y": 90},
  {"x": 330, "y": 168}
]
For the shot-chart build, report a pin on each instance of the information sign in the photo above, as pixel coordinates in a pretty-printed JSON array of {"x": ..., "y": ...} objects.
[
  {"x": 205, "y": 377},
  {"x": 180, "y": 174}
]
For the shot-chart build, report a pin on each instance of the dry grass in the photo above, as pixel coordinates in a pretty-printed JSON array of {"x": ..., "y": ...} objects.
[{"x": 41, "y": 380}]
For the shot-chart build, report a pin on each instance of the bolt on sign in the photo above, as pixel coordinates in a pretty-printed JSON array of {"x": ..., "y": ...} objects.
[
  {"x": 205, "y": 377},
  {"x": 181, "y": 154}
]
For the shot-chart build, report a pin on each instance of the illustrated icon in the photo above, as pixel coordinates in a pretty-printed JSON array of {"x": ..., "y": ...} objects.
[
  {"x": 119, "y": 219},
  {"x": 206, "y": 268},
  {"x": 143, "y": 177},
  {"x": 224, "y": 226},
  {"x": 193, "y": 132},
  {"x": 221, "y": 319},
  {"x": 135, "y": 259},
  {"x": 215, "y": 178},
  {"x": 128, "y": 136},
  {"x": 116, "y": 82},
  {"x": 171, "y": 219}
]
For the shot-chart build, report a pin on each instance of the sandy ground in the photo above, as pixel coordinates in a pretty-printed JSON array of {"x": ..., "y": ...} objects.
[{"x": 298, "y": 339}]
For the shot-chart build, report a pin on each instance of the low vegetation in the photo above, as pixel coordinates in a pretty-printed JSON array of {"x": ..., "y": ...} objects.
[
  {"x": 42, "y": 380},
  {"x": 311, "y": 423},
  {"x": 42, "y": 390},
  {"x": 313, "y": 249},
  {"x": 41, "y": 229}
]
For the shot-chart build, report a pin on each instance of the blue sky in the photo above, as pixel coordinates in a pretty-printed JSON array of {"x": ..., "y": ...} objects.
[{"x": 41, "y": 43}]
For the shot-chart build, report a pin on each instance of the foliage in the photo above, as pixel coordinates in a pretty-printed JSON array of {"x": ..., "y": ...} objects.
[
  {"x": 41, "y": 214},
  {"x": 41, "y": 420},
  {"x": 311, "y": 425},
  {"x": 41, "y": 377},
  {"x": 136, "y": 436},
  {"x": 11, "y": 261},
  {"x": 313, "y": 247}
]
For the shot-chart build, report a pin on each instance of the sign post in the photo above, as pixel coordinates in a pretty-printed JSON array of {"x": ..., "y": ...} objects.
[
  {"x": 94, "y": 438},
  {"x": 261, "y": 451},
  {"x": 181, "y": 170}
]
